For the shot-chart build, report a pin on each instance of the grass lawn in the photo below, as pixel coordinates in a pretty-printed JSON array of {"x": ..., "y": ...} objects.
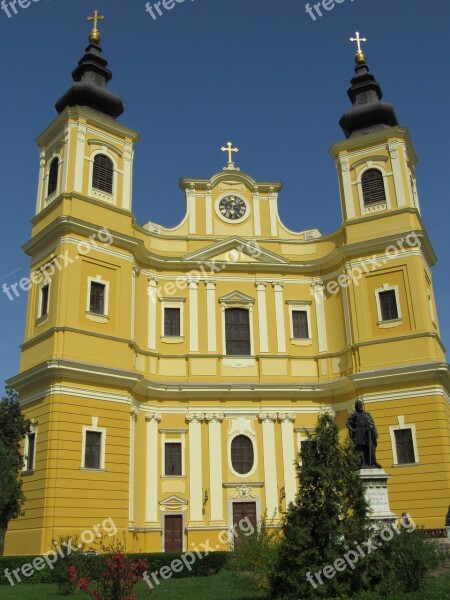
[{"x": 224, "y": 586}]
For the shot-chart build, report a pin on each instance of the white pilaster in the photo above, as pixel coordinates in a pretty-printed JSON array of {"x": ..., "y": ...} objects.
[
  {"x": 152, "y": 298},
  {"x": 262, "y": 316},
  {"x": 193, "y": 316},
  {"x": 133, "y": 415},
  {"x": 209, "y": 210},
  {"x": 347, "y": 188},
  {"x": 279, "y": 315},
  {"x": 319, "y": 298},
  {"x": 134, "y": 273},
  {"x": 40, "y": 192},
  {"x": 79, "y": 158},
  {"x": 195, "y": 467},
  {"x": 66, "y": 158},
  {"x": 273, "y": 196},
  {"x": 215, "y": 467},
  {"x": 151, "y": 471},
  {"x": 270, "y": 466},
  {"x": 191, "y": 209},
  {"x": 127, "y": 190},
  {"x": 396, "y": 170},
  {"x": 256, "y": 211},
  {"x": 290, "y": 475},
  {"x": 211, "y": 314}
]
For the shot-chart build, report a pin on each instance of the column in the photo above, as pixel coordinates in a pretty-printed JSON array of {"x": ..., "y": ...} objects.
[
  {"x": 133, "y": 415},
  {"x": 347, "y": 189},
  {"x": 209, "y": 209},
  {"x": 40, "y": 193},
  {"x": 273, "y": 209},
  {"x": 319, "y": 297},
  {"x": 152, "y": 296},
  {"x": 79, "y": 158},
  {"x": 215, "y": 467},
  {"x": 279, "y": 315},
  {"x": 290, "y": 474},
  {"x": 134, "y": 273},
  {"x": 195, "y": 467},
  {"x": 211, "y": 314},
  {"x": 270, "y": 467},
  {"x": 190, "y": 196},
  {"x": 262, "y": 316},
  {"x": 151, "y": 469},
  {"x": 127, "y": 190},
  {"x": 193, "y": 316}
]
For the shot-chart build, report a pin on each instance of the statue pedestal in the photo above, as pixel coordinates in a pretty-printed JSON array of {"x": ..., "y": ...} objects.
[{"x": 375, "y": 485}]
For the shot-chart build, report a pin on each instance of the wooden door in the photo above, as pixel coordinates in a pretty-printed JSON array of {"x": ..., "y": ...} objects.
[
  {"x": 242, "y": 510},
  {"x": 173, "y": 529}
]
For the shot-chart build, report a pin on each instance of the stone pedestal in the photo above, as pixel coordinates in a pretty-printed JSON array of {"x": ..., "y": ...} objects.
[{"x": 375, "y": 485}]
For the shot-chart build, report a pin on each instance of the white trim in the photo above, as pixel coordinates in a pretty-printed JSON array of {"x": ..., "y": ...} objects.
[
  {"x": 262, "y": 316},
  {"x": 133, "y": 413},
  {"x": 26, "y": 447},
  {"x": 195, "y": 468},
  {"x": 208, "y": 211},
  {"x": 151, "y": 471},
  {"x": 180, "y": 439},
  {"x": 215, "y": 466},
  {"x": 100, "y": 194},
  {"x": 40, "y": 314},
  {"x": 256, "y": 213},
  {"x": 401, "y": 426},
  {"x": 95, "y": 428},
  {"x": 367, "y": 209},
  {"x": 279, "y": 316},
  {"x": 270, "y": 465},
  {"x": 152, "y": 291},
  {"x": 48, "y": 198},
  {"x": 237, "y": 300},
  {"x": 193, "y": 316},
  {"x": 300, "y": 306},
  {"x": 211, "y": 314}
]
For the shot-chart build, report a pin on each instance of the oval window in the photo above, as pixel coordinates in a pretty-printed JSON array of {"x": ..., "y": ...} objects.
[{"x": 242, "y": 456}]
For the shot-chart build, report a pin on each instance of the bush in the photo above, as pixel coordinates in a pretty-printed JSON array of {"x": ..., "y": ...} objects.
[{"x": 257, "y": 553}]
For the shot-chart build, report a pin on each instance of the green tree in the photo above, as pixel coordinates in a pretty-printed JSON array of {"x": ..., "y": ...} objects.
[
  {"x": 329, "y": 515},
  {"x": 13, "y": 428}
]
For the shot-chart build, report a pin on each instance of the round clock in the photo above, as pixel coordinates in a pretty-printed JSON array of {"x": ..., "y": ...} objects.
[{"x": 232, "y": 208}]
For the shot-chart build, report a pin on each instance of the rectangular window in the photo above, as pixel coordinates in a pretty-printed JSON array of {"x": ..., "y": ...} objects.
[
  {"x": 237, "y": 331},
  {"x": 43, "y": 308},
  {"x": 97, "y": 298},
  {"x": 405, "y": 446},
  {"x": 300, "y": 324},
  {"x": 31, "y": 451},
  {"x": 172, "y": 458},
  {"x": 388, "y": 305},
  {"x": 172, "y": 322},
  {"x": 92, "y": 451}
]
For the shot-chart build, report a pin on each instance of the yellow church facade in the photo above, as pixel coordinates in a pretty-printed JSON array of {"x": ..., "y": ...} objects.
[{"x": 171, "y": 375}]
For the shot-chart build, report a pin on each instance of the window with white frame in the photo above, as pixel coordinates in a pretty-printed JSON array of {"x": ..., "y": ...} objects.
[
  {"x": 173, "y": 442},
  {"x": 44, "y": 300},
  {"x": 97, "y": 296},
  {"x": 237, "y": 331},
  {"x": 388, "y": 304},
  {"x": 53, "y": 173},
  {"x": 30, "y": 450},
  {"x": 172, "y": 319},
  {"x": 300, "y": 320},
  {"x": 94, "y": 444},
  {"x": 404, "y": 444}
]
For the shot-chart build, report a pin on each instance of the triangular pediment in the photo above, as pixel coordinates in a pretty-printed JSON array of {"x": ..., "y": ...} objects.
[
  {"x": 235, "y": 250},
  {"x": 173, "y": 502},
  {"x": 238, "y": 297}
]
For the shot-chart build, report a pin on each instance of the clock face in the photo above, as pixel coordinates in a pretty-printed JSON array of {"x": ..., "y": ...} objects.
[{"x": 232, "y": 208}]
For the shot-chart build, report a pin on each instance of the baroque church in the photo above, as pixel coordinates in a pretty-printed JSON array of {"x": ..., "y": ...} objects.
[{"x": 172, "y": 374}]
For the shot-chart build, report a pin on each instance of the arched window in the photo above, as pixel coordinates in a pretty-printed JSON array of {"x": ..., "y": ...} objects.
[
  {"x": 373, "y": 187},
  {"x": 242, "y": 456},
  {"x": 102, "y": 174},
  {"x": 53, "y": 176},
  {"x": 237, "y": 331}
]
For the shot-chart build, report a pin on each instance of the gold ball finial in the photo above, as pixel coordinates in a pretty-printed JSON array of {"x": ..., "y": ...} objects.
[
  {"x": 94, "y": 36},
  {"x": 360, "y": 58}
]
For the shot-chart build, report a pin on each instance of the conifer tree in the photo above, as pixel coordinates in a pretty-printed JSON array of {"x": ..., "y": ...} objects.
[{"x": 328, "y": 517}]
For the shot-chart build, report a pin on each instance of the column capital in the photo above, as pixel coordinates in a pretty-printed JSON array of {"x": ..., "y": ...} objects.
[
  {"x": 268, "y": 417},
  {"x": 153, "y": 417},
  {"x": 193, "y": 284},
  {"x": 134, "y": 411},
  {"x": 210, "y": 284},
  {"x": 286, "y": 417},
  {"x": 195, "y": 417},
  {"x": 152, "y": 280},
  {"x": 278, "y": 284},
  {"x": 260, "y": 285},
  {"x": 214, "y": 417}
]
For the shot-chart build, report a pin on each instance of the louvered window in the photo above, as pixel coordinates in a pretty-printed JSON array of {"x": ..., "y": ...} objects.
[
  {"x": 373, "y": 187},
  {"x": 103, "y": 172},
  {"x": 53, "y": 177}
]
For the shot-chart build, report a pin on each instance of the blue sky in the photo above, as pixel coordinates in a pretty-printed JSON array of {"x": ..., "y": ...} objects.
[{"x": 258, "y": 72}]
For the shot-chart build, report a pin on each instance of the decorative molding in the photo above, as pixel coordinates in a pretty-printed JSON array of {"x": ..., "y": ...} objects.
[
  {"x": 214, "y": 417},
  {"x": 195, "y": 417},
  {"x": 286, "y": 417},
  {"x": 267, "y": 417},
  {"x": 153, "y": 417}
]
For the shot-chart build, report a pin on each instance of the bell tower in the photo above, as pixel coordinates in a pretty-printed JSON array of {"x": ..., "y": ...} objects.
[
  {"x": 376, "y": 162},
  {"x": 85, "y": 151}
]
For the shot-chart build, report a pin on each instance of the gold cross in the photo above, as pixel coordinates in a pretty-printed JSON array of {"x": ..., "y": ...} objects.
[
  {"x": 358, "y": 40},
  {"x": 95, "y": 34},
  {"x": 230, "y": 151}
]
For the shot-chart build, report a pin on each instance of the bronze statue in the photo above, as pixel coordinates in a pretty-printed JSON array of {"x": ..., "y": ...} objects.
[{"x": 364, "y": 435}]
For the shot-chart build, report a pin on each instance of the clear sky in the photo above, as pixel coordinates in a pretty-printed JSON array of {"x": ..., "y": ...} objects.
[{"x": 260, "y": 73}]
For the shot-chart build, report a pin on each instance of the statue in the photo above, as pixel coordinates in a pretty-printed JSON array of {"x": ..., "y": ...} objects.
[{"x": 364, "y": 435}]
